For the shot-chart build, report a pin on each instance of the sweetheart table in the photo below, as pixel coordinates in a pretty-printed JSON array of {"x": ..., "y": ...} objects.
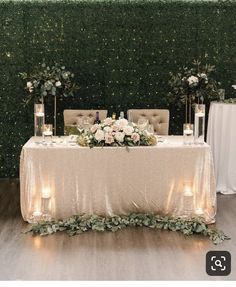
[{"x": 170, "y": 178}]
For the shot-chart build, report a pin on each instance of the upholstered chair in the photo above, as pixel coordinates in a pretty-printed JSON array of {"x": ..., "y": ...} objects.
[
  {"x": 159, "y": 118},
  {"x": 71, "y": 116}
]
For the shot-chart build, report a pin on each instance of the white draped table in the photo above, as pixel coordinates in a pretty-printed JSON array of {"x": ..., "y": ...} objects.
[
  {"x": 169, "y": 178},
  {"x": 221, "y": 136}
]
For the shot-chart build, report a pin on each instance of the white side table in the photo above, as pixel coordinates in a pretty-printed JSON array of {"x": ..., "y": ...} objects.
[{"x": 221, "y": 136}]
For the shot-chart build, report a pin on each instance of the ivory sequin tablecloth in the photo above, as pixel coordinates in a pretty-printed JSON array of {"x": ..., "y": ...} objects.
[{"x": 117, "y": 180}]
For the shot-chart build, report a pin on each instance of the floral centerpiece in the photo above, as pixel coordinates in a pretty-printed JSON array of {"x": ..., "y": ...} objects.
[
  {"x": 193, "y": 85},
  {"x": 116, "y": 133}
]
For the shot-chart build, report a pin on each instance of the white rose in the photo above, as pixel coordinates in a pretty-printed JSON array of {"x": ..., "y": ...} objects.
[
  {"x": 29, "y": 84},
  {"x": 135, "y": 137},
  {"x": 108, "y": 121},
  {"x": 58, "y": 84},
  {"x": 119, "y": 136},
  {"x": 192, "y": 81},
  {"x": 115, "y": 128},
  {"x": 107, "y": 129},
  {"x": 128, "y": 130},
  {"x": 95, "y": 127},
  {"x": 109, "y": 138},
  {"x": 99, "y": 135},
  {"x": 204, "y": 76},
  {"x": 122, "y": 123}
]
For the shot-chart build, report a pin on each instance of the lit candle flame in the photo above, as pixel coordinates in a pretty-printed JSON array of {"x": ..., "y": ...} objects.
[
  {"x": 199, "y": 211},
  {"x": 187, "y": 189},
  {"x": 46, "y": 193}
]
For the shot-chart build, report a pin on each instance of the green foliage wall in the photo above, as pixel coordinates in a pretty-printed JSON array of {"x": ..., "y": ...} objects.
[{"x": 120, "y": 51}]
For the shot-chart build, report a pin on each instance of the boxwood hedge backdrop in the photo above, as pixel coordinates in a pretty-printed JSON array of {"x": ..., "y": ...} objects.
[{"x": 120, "y": 51}]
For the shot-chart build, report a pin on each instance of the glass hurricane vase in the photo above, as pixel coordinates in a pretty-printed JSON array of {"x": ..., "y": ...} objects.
[
  {"x": 39, "y": 119},
  {"x": 199, "y": 124}
]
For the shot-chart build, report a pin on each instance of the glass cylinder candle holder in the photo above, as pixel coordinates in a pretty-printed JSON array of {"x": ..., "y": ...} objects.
[
  {"x": 199, "y": 124},
  {"x": 45, "y": 205},
  {"x": 47, "y": 133},
  {"x": 188, "y": 198},
  {"x": 39, "y": 119},
  {"x": 188, "y": 134}
]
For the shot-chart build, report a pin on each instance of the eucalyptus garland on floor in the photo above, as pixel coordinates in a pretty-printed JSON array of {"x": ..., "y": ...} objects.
[{"x": 82, "y": 223}]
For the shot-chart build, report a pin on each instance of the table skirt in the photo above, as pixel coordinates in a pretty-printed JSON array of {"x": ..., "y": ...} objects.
[
  {"x": 221, "y": 136},
  {"x": 108, "y": 181}
]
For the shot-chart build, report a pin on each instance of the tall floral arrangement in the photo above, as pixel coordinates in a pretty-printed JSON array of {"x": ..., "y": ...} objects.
[
  {"x": 193, "y": 84},
  {"x": 48, "y": 81}
]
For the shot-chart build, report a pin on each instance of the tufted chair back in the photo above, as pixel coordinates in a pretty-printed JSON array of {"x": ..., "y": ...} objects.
[
  {"x": 157, "y": 117},
  {"x": 71, "y": 116}
]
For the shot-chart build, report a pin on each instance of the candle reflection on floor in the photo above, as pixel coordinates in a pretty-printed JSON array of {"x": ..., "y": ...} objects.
[
  {"x": 37, "y": 242},
  {"x": 201, "y": 244}
]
